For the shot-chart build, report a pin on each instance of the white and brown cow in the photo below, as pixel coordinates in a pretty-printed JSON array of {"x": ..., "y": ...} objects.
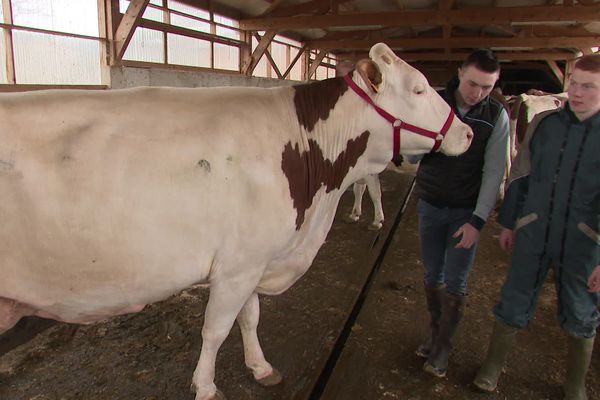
[
  {"x": 521, "y": 110},
  {"x": 113, "y": 200}
]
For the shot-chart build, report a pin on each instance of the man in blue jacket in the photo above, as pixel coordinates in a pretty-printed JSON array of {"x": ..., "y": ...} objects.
[
  {"x": 456, "y": 195},
  {"x": 551, "y": 217}
]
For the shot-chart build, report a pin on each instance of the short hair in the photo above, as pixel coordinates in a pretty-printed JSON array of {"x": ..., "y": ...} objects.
[
  {"x": 484, "y": 60},
  {"x": 589, "y": 63}
]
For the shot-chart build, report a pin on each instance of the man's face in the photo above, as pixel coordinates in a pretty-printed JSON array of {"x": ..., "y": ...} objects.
[
  {"x": 584, "y": 93},
  {"x": 474, "y": 85}
]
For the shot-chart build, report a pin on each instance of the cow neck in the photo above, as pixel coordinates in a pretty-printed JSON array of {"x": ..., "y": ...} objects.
[{"x": 398, "y": 124}]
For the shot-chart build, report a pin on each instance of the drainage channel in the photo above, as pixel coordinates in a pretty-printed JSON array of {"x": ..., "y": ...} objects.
[{"x": 380, "y": 247}]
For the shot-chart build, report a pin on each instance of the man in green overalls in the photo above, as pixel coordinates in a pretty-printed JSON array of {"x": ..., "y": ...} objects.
[{"x": 551, "y": 218}]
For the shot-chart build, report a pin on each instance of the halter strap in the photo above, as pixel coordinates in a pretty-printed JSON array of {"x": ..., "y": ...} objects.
[{"x": 398, "y": 124}]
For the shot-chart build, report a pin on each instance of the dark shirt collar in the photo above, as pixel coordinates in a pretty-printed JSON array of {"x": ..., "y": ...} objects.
[{"x": 569, "y": 116}]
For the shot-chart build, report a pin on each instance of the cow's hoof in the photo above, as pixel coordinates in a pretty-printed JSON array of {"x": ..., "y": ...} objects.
[
  {"x": 375, "y": 226},
  {"x": 217, "y": 396},
  {"x": 437, "y": 372},
  {"x": 271, "y": 380},
  {"x": 352, "y": 218}
]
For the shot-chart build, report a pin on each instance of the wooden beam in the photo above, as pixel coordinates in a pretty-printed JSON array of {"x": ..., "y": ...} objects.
[
  {"x": 269, "y": 57},
  {"x": 8, "y": 43},
  {"x": 272, "y": 7},
  {"x": 315, "y": 64},
  {"x": 127, "y": 26},
  {"x": 568, "y": 70},
  {"x": 309, "y": 7},
  {"x": 289, "y": 69},
  {"x": 469, "y": 16},
  {"x": 556, "y": 71},
  {"x": 160, "y": 26},
  {"x": 460, "y": 56},
  {"x": 445, "y": 5},
  {"x": 502, "y": 56},
  {"x": 263, "y": 44},
  {"x": 461, "y": 42}
]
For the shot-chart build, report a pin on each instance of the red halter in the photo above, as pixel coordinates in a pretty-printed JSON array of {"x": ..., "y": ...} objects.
[{"x": 398, "y": 124}]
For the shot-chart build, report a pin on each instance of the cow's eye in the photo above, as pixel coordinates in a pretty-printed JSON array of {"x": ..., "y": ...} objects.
[{"x": 419, "y": 90}]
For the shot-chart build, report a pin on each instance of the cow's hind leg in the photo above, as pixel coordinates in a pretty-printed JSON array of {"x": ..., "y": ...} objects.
[
  {"x": 359, "y": 190},
  {"x": 374, "y": 187},
  {"x": 247, "y": 319},
  {"x": 224, "y": 303}
]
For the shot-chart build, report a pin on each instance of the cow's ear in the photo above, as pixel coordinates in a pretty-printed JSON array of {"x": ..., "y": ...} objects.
[{"x": 370, "y": 74}]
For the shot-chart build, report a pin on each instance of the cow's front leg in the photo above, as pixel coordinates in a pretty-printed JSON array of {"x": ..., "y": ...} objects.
[
  {"x": 374, "y": 187},
  {"x": 224, "y": 303},
  {"x": 359, "y": 190},
  {"x": 247, "y": 319}
]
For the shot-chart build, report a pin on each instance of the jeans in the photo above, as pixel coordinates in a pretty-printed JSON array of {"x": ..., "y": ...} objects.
[{"x": 444, "y": 264}]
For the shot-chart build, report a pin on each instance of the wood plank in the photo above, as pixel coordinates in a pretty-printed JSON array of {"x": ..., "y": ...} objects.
[
  {"x": 178, "y": 30},
  {"x": 556, "y": 71},
  {"x": 258, "y": 52},
  {"x": 270, "y": 58},
  {"x": 8, "y": 42},
  {"x": 315, "y": 64},
  {"x": 470, "y": 16},
  {"x": 459, "y": 56},
  {"x": 127, "y": 26},
  {"x": 461, "y": 42},
  {"x": 289, "y": 69}
]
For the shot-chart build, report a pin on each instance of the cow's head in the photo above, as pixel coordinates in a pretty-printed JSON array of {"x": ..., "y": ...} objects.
[{"x": 404, "y": 93}]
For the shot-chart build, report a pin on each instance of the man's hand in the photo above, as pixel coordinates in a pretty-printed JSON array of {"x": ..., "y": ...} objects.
[
  {"x": 470, "y": 236},
  {"x": 594, "y": 281},
  {"x": 507, "y": 239}
]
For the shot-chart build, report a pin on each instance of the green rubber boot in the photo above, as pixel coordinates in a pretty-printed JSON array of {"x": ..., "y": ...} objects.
[
  {"x": 578, "y": 362},
  {"x": 503, "y": 337}
]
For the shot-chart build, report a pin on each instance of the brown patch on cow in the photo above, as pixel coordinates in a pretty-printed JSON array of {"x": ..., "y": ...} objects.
[
  {"x": 521, "y": 127},
  {"x": 496, "y": 94},
  {"x": 314, "y": 101},
  {"x": 308, "y": 171}
]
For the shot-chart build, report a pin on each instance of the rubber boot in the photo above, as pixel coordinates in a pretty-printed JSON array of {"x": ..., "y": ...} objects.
[
  {"x": 502, "y": 340},
  {"x": 434, "y": 296},
  {"x": 452, "y": 312},
  {"x": 578, "y": 362}
]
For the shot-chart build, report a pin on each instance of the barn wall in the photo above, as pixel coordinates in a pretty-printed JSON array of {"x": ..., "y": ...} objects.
[{"x": 123, "y": 77}]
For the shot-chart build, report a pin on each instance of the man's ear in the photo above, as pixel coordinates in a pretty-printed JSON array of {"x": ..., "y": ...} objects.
[{"x": 370, "y": 74}]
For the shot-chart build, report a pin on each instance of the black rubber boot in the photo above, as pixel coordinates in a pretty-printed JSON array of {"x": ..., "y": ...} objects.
[
  {"x": 578, "y": 363},
  {"x": 503, "y": 337},
  {"x": 434, "y": 296},
  {"x": 452, "y": 312}
]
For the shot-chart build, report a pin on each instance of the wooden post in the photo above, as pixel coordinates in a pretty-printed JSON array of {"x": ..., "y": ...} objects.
[{"x": 8, "y": 43}]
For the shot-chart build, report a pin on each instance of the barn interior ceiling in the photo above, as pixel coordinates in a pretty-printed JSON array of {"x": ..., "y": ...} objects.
[{"x": 535, "y": 39}]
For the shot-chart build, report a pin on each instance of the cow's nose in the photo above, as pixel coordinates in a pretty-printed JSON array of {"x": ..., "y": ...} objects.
[{"x": 470, "y": 135}]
